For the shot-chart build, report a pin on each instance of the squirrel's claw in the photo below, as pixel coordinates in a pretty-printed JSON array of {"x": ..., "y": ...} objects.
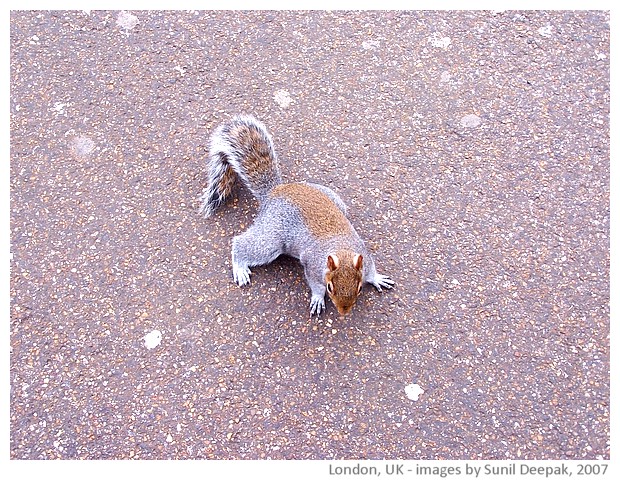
[
  {"x": 382, "y": 281},
  {"x": 317, "y": 305},
  {"x": 241, "y": 275}
]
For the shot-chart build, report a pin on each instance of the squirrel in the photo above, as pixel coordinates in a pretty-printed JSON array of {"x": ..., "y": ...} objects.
[{"x": 304, "y": 220}]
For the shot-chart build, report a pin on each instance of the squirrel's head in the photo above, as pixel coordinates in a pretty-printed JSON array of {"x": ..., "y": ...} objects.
[{"x": 344, "y": 280}]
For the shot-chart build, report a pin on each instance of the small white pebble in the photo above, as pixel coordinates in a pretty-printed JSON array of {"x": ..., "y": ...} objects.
[
  {"x": 545, "y": 31},
  {"x": 151, "y": 340},
  {"x": 283, "y": 98},
  {"x": 470, "y": 121},
  {"x": 370, "y": 45},
  {"x": 413, "y": 391},
  {"x": 126, "y": 20}
]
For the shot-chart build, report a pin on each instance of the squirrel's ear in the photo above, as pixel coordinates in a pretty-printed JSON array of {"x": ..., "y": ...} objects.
[
  {"x": 332, "y": 262},
  {"x": 357, "y": 261}
]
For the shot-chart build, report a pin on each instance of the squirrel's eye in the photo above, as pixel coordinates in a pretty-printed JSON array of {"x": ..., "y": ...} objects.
[{"x": 330, "y": 287}]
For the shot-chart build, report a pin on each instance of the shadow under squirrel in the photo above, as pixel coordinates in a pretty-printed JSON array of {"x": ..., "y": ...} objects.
[{"x": 303, "y": 220}]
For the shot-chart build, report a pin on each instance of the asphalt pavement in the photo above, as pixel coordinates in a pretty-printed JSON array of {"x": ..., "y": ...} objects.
[{"x": 472, "y": 149}]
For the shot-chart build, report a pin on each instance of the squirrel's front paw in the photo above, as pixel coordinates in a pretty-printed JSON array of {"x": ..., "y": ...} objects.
[
  {"x": 241, "y": 275},
  {"x": 317, "y": 304},
  {"x": 382, "y": 281}
]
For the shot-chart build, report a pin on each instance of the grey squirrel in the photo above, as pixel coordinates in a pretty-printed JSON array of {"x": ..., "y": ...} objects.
[{"x": 303, "y": 220}]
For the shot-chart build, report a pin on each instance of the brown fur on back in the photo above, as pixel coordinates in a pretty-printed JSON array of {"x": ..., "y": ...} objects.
[{"x": 321, "y": 215}]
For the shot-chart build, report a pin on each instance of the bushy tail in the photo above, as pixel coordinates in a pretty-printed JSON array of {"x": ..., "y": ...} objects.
[{"x": 240, "y": 148}]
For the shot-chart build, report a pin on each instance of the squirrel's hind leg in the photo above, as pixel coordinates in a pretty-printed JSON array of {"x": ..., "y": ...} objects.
[{"x": 255, "y": 246}]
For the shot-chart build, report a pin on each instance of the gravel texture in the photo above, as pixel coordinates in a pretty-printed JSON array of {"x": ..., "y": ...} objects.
[{"x": 473, "y": 151}]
